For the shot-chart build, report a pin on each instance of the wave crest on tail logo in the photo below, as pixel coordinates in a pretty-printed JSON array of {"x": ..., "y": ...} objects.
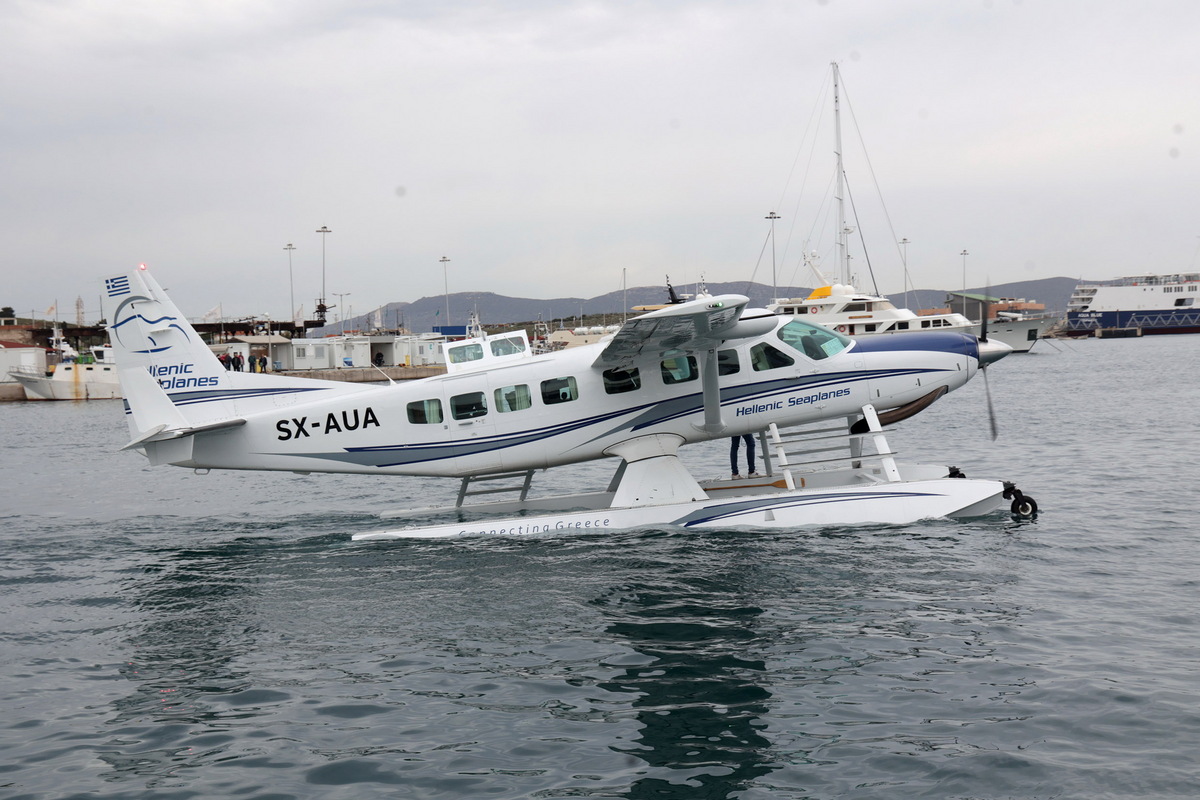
[{"x": 136, "y": 332}]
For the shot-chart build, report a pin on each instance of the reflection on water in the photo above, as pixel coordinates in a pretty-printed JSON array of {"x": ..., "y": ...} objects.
[
  {"x": 698, "y": 695},
  {"x": 198, "y": 612}
]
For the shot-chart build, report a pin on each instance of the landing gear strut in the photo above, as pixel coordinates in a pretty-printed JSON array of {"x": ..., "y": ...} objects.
[{"x": 1023, "y": 506}]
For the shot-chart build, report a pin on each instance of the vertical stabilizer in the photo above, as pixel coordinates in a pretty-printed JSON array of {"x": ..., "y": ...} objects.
[
  {"x": 158, "y": 353},
  {"x": 171, "y": 379}
]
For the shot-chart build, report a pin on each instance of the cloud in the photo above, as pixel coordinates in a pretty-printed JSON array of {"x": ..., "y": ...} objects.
[{"x": 546, "y": 146}]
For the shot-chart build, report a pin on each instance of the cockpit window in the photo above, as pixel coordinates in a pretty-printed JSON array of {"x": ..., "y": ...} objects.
[
  {"x": 812, "y": 340},
  {"x": 763, "y": 357}
]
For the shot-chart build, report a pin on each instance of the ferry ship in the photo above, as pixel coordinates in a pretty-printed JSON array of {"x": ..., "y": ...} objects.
[{"x": 1144, "y": 303}]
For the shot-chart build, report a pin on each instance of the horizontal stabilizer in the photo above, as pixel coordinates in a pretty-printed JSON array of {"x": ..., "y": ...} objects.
[
  {"x": 145, "y": 437},
  {"x": 160, "y": 433}
]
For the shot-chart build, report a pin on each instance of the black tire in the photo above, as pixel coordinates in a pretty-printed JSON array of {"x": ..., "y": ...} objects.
[{"x": 1024, "y": 506}]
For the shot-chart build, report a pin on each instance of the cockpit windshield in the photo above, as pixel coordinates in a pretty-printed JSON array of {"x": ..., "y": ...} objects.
[{"x": 812, "y": 340}]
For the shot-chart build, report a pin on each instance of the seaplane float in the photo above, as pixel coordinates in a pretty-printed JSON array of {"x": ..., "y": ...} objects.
[{"x": 691, "y": 372}]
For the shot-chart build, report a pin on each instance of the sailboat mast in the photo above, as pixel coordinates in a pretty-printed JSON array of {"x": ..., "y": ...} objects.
[{"x": 843, "y": 256}]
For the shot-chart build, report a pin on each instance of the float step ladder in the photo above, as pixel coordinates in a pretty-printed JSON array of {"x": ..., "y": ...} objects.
[
  {"x": 801, "y": 449},
  {"x": 524, "y": 476}
]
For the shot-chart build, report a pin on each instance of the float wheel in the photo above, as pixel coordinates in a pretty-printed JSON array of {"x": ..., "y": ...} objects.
[{"x": 1024, "y": 506}]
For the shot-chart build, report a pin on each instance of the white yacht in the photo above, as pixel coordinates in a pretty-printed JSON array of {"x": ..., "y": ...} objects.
[{"x": 846, "y": 310}]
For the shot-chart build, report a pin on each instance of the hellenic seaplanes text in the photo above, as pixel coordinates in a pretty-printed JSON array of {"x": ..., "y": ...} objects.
[
  {"x": 176, "y": 376},
  {"x": 807, "y": 399}
]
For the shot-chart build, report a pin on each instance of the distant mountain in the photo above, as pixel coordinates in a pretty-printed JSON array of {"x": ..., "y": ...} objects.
[
  {"x": 1052, "y": 292},
  {"x": 428, "y": 312}
]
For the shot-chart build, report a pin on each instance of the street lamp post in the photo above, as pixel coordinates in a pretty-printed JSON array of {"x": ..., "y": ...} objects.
[
  {"x": 321, "y": 308},
  {"x": 291, "y": 284},
  {"x": 446, "y": 282},
  {"x": 964, "y": 254},
  {"x": 774, "y": 281}
]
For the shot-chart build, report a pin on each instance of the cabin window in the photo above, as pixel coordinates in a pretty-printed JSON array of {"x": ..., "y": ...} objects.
[
  {"x": 507, "y": 347},
  {"x": 618, "y": 381},
  {"x": 814, "y": 341},
  {"x": 901, "y": 326},
  {"x": 871, "y": 328},
  {"x": 464, "y": 353},
  {"x": 425, "y": 412},
  {"x": 679, "y": 370},
  {"x": 855, "y": 307},
  {"x": 763, "y": 357},
  {"x": 728, "y": 363},
  {"x": 559, "y": 390},
  {"x": 468, "y": 406},
  {"x": 512, "y": 398},
  {"x": 1184, "y": 301}
]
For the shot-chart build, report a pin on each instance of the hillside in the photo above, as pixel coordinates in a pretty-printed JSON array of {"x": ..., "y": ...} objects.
[{"x": 427, "y": 312}]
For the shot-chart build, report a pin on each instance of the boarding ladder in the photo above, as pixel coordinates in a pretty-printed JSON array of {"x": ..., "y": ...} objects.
[
  {"x": 800, "y": 449},
  {"x": 465, "y": 490}
]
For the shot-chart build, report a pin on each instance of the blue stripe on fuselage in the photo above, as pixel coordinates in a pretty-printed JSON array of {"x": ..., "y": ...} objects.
[{"x": 636, "y": 418}]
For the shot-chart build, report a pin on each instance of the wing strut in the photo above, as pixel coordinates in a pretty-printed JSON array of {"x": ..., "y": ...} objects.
[{"x": 709, "y": 375}]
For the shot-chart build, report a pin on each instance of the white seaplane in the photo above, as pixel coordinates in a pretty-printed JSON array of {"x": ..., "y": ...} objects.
[{"x": 691, "y": 372}]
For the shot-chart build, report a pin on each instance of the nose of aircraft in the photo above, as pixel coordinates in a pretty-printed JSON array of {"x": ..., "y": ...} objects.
[{"x": 992, "y": 350}]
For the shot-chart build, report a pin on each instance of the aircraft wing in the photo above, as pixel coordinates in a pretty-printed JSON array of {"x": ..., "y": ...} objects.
[{"x": 699, "y": 324}]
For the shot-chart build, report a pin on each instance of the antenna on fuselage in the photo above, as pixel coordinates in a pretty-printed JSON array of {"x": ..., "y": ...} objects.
[{"x": 672, "y": 298}]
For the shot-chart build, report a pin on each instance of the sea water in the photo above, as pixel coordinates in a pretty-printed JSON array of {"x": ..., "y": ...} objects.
[{"x": 173, "y": 635}]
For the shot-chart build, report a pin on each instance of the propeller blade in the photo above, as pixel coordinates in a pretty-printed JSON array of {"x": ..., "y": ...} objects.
[
  {"x": 987, "y": 391},
  {"x": 985, "y": 308}
]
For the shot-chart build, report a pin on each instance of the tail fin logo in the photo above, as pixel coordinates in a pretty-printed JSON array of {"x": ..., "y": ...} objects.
[
  {"x": 117, "y": 286},
  {"x": 138, "y": 334}
]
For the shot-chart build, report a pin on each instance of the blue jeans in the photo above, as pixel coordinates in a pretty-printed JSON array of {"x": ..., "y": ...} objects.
[{"x": 733, "y": 453}]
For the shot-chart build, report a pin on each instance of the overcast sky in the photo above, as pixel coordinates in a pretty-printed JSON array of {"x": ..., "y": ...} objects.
[{"x": 544, "y": 146}]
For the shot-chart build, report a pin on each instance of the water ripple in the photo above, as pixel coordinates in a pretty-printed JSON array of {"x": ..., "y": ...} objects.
[{"x": 169, "y": 635}]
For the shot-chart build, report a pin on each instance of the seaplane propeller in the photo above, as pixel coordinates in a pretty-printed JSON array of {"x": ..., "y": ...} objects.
[
  {"x": 987, "y": 389},
  {"x": 1023, "y": 506}
]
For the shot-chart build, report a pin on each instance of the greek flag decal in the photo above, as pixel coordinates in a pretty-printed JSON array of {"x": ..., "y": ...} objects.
[{"x": 117, "y": 286}]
